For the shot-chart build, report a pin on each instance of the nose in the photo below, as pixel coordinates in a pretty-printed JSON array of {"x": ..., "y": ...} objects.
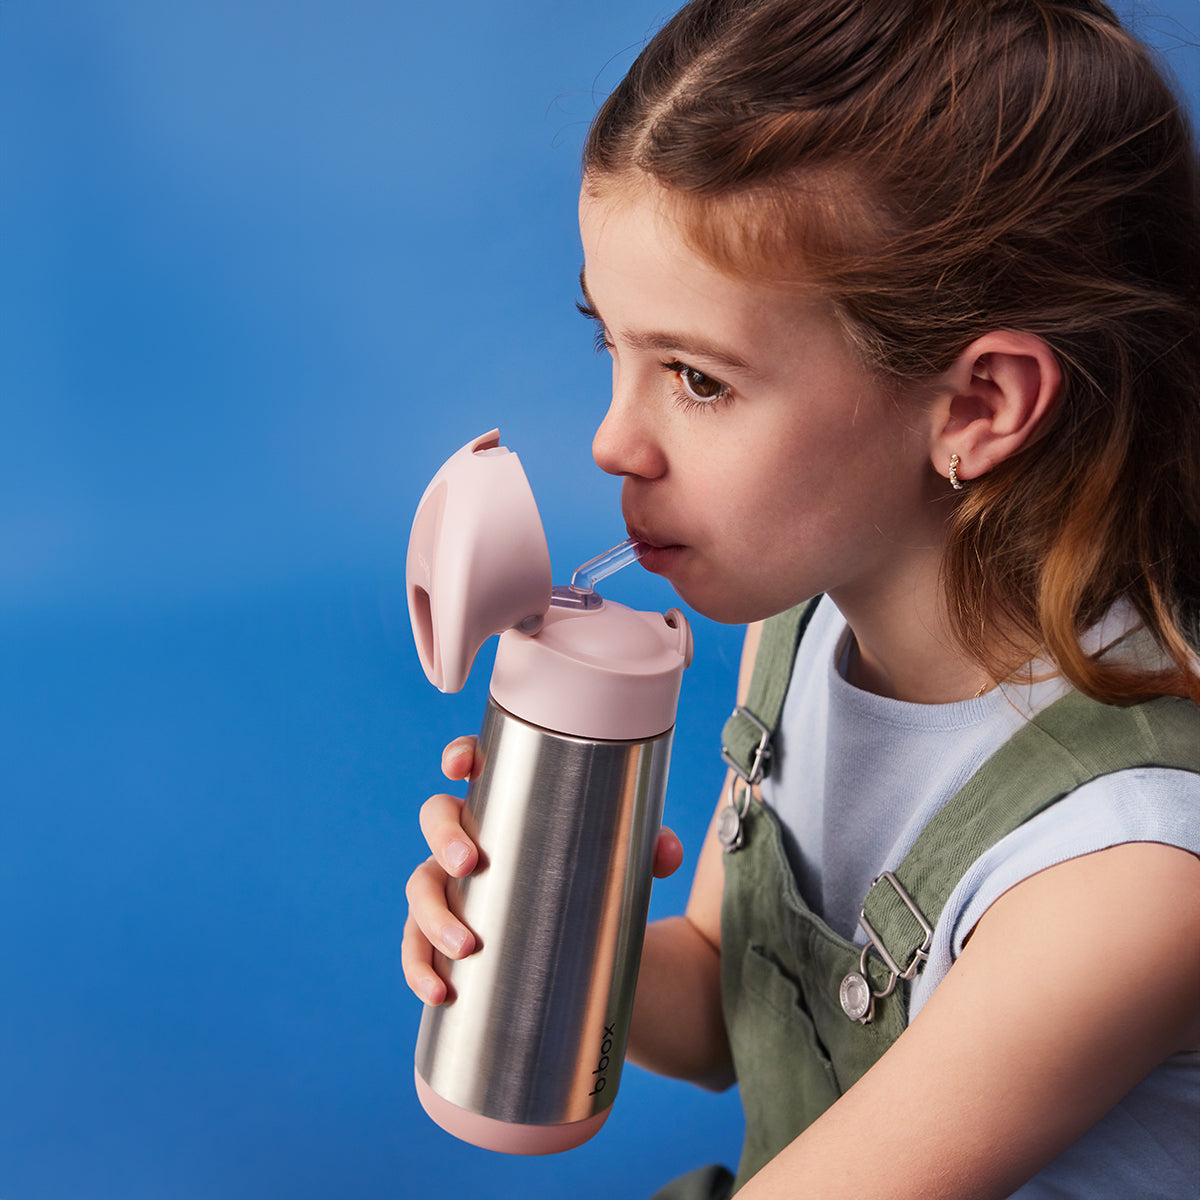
[{"x": 625, "y": 443}]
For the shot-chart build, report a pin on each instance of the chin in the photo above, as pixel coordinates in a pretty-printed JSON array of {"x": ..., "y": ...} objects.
[
  {"x": 740, "y": 607},
  {"x": 724, "y": 609}
]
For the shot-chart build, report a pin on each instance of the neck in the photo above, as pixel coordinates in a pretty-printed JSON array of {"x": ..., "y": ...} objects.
[{"x": 903, "y": 645}]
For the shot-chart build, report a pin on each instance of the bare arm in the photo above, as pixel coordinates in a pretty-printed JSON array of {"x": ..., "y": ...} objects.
[
  {"x": 1074, "y": 985},
  {"x": 678, "y": 1028}
]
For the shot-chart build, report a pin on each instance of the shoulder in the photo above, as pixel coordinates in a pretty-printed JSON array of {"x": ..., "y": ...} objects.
[
  {"x": 1130, "y": 913},
  {"x": 749, "y": 654},
  {"x": 1139, "y": 806}
]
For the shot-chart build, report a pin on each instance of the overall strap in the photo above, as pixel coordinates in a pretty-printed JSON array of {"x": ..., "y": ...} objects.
[
  {"x": 746, "y": 736},
  {"x": 1071, "y": 742}
]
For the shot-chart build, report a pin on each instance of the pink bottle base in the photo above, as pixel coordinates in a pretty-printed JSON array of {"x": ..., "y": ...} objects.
[{"x": 505, "y": 1136}]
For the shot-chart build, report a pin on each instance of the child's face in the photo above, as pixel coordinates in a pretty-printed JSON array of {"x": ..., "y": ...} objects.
[{"x": 759, "y": 457}]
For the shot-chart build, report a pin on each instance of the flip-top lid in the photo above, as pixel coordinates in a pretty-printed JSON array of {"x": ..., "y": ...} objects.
[{"x": 478, "y": 562}]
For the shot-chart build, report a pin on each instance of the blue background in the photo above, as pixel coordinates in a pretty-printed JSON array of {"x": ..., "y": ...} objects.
[{"x": 264, "y": 266}]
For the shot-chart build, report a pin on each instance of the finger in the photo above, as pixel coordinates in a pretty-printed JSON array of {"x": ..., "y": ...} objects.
[
  {"x": 458, "y": 758},
  {"x": 668, "y": 853},
  {"x": 416, "y": 957},
  {"x": 441, "y": 825},
  {"x": 427, "y": 907}
]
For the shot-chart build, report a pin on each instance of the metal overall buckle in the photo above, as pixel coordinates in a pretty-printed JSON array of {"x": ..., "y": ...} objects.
[
  {"x": 729, "y": 821},
  {"x": 856, "y": 994}
]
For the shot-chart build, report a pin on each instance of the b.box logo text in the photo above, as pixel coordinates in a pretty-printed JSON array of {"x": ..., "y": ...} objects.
[{"x": 602, "y": 1066}]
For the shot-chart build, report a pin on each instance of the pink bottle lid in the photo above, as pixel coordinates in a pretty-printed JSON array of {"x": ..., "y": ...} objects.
[
  {"x": 477, "y": 559},
  {"x": 569, "y": 661},
  {"x": 609, "y": 673}
]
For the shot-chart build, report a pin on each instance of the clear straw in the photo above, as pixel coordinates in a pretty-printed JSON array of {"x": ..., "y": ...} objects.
[{"x": 603, "y": 565}]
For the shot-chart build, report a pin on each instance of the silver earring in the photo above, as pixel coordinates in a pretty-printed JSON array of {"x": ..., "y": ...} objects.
[{"x": 955, "y": 483}]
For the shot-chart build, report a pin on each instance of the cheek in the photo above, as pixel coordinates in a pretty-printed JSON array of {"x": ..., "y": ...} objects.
[{"x": 720, "y": 492}]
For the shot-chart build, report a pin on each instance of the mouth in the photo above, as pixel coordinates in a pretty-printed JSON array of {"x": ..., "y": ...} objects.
[
  {"x": 650, "y": 540},
  {"x": 659, "y": 553}
]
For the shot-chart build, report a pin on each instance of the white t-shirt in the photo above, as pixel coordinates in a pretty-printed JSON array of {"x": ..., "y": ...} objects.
[{"x": 854, "y": 779}]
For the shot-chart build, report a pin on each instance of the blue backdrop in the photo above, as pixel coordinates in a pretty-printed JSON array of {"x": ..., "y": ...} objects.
[{"x": 264, "y": 266}]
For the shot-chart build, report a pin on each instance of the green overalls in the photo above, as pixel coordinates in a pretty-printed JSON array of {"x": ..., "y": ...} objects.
[{"x": 808, "y": 1012}]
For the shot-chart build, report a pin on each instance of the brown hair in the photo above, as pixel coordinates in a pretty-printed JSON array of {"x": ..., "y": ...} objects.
[{"x": 943, "y": 168}]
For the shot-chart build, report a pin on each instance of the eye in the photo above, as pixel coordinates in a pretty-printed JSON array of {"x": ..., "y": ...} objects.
[{"x": 698, "y": 388}]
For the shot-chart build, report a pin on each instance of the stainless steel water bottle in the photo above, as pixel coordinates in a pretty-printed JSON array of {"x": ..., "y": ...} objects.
[{"x": 525, "y": 1055}]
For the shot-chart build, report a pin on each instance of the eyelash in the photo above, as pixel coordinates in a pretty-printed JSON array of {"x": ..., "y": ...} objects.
[
  {"x": 683, "y": 398},
  {"x": 692, "y": 403},
  {"x": 600, "y": 343}
]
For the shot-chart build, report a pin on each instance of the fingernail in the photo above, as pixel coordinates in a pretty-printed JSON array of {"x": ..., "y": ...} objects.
[
  {"x": 457, "y": 854},
  {"x": 454, "y": 939},
  {"x": 451, "y": 752}
]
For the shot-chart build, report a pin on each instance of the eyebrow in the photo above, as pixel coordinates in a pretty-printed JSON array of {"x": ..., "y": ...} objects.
[{"x": 665, "y": 341}]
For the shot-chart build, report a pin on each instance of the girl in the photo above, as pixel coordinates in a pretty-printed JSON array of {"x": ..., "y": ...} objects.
[{"x": 903, "y": 303}]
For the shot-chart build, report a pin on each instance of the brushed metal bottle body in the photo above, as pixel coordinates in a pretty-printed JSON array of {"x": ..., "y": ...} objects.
[{"x": 535, "y": 1028}]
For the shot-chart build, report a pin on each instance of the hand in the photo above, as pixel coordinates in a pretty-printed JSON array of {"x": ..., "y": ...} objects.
[{"x": 431, "y": 926}]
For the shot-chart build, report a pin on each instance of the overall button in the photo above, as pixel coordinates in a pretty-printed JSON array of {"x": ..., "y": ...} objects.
[{"x": 856, "y": 998}]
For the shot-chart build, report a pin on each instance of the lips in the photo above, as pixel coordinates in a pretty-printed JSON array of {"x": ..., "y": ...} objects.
[
  {"x": 651, "y": 541},
  {"x": 660, "y": 553}
]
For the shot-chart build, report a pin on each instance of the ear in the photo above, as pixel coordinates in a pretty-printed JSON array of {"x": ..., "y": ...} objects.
[{"x": 993, "y": 399}]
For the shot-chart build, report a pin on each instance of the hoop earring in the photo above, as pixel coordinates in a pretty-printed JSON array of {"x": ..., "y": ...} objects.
[{"x": 955, "y": 483}]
